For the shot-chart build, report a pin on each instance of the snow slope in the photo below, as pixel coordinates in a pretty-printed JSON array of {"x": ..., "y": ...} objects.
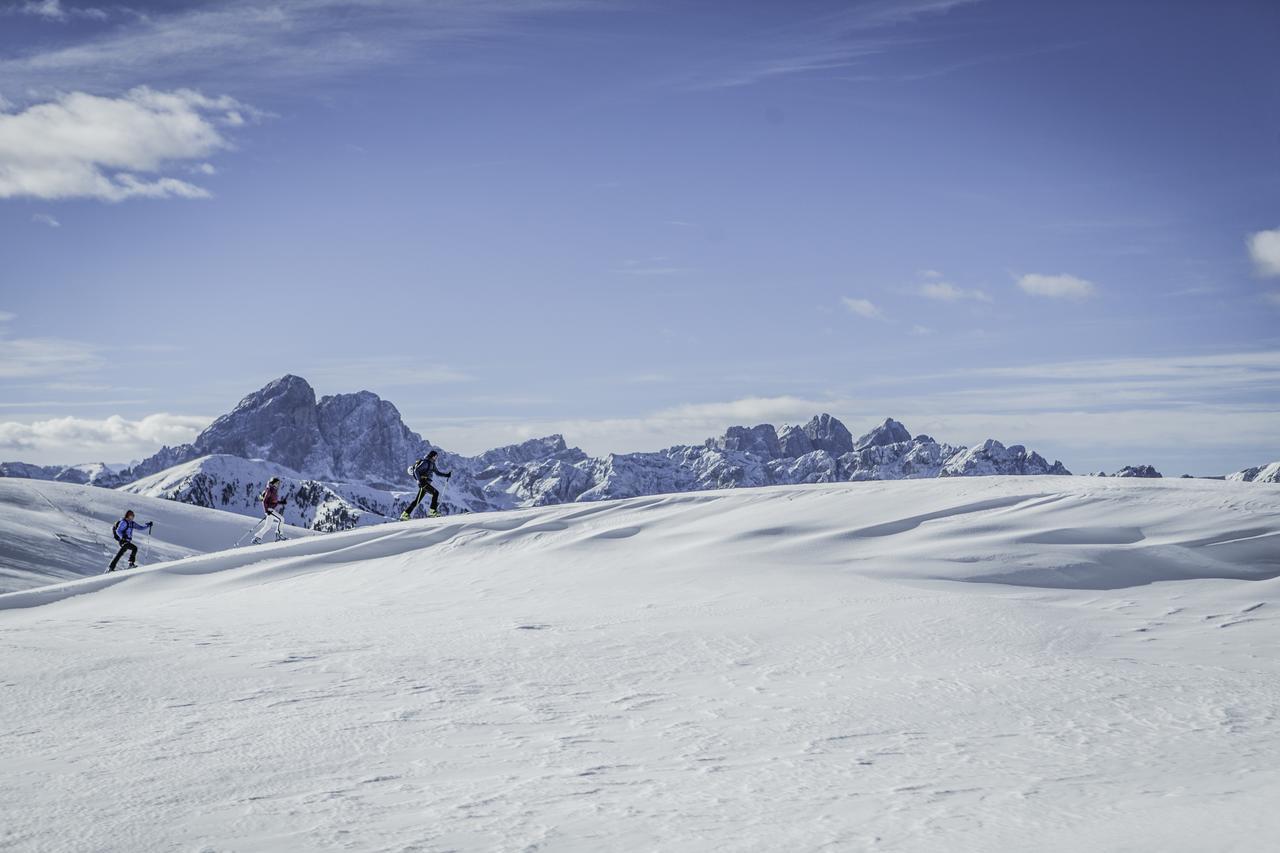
[
  {"x": 59, "y": 531},
  {"x": 1047, "y": 663}
]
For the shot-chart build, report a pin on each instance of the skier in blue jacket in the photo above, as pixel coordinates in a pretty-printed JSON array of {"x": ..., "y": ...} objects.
[{"x": 124, "y": 535}]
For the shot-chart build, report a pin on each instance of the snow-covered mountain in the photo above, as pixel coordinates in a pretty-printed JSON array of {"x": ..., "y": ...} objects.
[
  {"x": 86, "y": 474},
  {"x": 344, "y": 461},
  {"x": 951, "y": 664},
  {"x": 1261, "y": 474},
  {"x": 346, "y": 437}
]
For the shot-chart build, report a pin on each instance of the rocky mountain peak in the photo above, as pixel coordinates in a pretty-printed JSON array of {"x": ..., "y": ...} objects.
[
  {"x": 826, "y": 433},
  {"x": 889, "y": 432},
  {"x": 761, "y": 440},
  {"x": 1145, "y": 471}
]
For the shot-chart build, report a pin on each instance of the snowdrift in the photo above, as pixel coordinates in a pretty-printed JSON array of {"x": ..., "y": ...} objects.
[
  {"x": 1044, "y": 663},
  {"x": 1082, "y": 533},
  {"x": 58, "y": 531}
]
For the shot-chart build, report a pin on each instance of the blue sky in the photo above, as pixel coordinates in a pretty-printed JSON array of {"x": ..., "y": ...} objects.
[{"x": 1055, "y": 224}]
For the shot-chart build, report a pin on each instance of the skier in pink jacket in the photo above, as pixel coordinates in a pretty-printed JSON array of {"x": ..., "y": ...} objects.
[{"x": 271, "y": 501}]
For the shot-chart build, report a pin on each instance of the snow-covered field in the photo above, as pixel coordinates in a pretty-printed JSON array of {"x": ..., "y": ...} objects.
[
  {"x": 60, "y": 531},
  {"x": 1006, "y": 663}
]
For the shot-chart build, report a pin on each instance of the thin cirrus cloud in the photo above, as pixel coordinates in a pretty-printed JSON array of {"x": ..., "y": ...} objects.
[
  {"x": 945, "y": 291},
  {"x": 46, "y": 219},
  {"x": 862, "y": 307},
  {"x": 1264, "y": 249},
  {"x": 264, "y": 45},
  {"x": 1057, "y": 286},
  {"x": 88, "y": 146},
  {"x": 821, "y": 44},
  {"x": 53, "y": 10},
  {"x": 23, "y": 358}
]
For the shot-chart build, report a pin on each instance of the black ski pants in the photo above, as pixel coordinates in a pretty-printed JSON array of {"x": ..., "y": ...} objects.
[
  {"x": 126, "y": 545},
  {"x": 425, "y": 488}
]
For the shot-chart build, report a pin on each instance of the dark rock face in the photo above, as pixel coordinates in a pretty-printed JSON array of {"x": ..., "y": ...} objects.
[
  {"x": 760, "y": 440},
  {"x": 363, "y": 438},
  {"x": 347, "y": 437},
  {"x": 827, "y": 433},
  {"x": 889, "y": 432},
  {"x": 794, "y": 442}
]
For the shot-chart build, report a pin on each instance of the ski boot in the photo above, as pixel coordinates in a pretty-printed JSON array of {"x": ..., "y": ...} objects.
[
  {"x": 435, "y": 513},
  {"x": 404, "y": 516}
]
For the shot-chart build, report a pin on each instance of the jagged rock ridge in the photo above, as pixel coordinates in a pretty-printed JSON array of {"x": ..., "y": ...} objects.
[{"x": 343, "y": 460}]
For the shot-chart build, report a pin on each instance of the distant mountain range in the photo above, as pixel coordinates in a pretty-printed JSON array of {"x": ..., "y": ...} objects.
[{"x": 344, "y": 460}]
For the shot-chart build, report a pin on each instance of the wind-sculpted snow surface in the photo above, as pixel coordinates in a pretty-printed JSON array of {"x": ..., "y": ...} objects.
[
  {"x": 775, "y": 669},
  {"x": 61, "y": 531}
]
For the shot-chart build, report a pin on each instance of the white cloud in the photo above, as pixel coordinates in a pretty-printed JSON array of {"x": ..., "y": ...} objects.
[
  {"x": 87, "y": 146},
  {"x": 1264, "y": 248},
  {"x": 863, "y": 308},
  {"x": 46, "y": 219},
  {"x": 921, "y": 331},
  {"x": 1057, "y": 286},
  {"x": 6, "y": 316},
  {"x": 115, "y": 436},
  {"x": 945, "y": 291},
  {"x": 1273, "y": 297}
]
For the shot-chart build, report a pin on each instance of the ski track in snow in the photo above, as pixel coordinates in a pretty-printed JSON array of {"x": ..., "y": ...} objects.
[{"x": 978, "y": 664}]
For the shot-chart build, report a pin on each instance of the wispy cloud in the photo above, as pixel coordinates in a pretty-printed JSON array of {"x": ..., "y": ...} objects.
[
  {"x": 356, "y": 373},
  {"x": 46, "y": 219},
  {"x": 862, "y": 307},
  {"x": 654, "y": 271},
  {"x": 945, "y": 291},
  {"x": 825, "y": 43},
  {"x": 1264, "y": 249},
  {"x": 1057, "y": 286},
  {"x": 53, "y": 10},
  {"x": 33, "y": 357},
  {"x": 250, "y": 43},
  {"x": 86, "y": 146}
]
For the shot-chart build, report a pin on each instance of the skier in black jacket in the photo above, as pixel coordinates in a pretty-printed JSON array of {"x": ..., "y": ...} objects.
[{"x": 424, "y": 469}]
